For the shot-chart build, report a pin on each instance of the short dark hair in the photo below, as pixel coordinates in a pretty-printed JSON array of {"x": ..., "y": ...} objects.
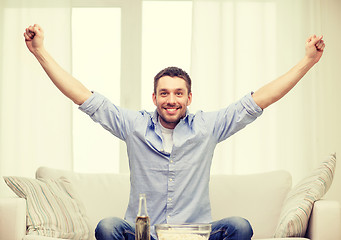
[{"x": 173, "y": 72}]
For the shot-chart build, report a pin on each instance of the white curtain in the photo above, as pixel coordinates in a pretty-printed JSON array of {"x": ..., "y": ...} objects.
[
  {"x": 238, "y": 46},
  {"x": 35, "y": 119}
]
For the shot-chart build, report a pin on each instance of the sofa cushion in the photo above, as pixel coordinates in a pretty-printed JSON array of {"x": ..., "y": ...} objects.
[
  {"x": 256, "y": 197},
  {"x": 300, "y": 200},
  {"x": 52, "y": 207},
  {"x": 103, "y": 195}
]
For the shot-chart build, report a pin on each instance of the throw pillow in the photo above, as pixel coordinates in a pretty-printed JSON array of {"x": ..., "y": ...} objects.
[
  {"x": 300, "y": 200},
  {"x": 52, "y": 207}
]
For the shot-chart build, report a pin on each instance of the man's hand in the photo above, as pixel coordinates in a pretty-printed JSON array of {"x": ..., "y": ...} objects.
[
  {"x": 314, "y": 48},
  {"x": 34, "y": 37}
]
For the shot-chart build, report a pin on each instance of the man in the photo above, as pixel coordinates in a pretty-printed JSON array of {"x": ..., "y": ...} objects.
[{"x": 170, "y": 151}]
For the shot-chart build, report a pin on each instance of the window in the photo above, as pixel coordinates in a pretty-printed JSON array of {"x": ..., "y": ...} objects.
[
  {"x": 96, "y": 55},
  {"x": 106, "y": 54}
]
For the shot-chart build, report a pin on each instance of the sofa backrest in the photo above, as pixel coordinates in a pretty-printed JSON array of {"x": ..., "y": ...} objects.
[{"x": 256, "y": 197}]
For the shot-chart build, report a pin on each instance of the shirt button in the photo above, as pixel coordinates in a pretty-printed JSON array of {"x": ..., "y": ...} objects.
[
  {"x": 171, "y": 180},
  {"x": 169, "y": 199},
  {"x": 171, "y": 161}
]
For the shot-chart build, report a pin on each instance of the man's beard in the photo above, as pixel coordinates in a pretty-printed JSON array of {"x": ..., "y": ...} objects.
[{"x": 170, "y": 121}]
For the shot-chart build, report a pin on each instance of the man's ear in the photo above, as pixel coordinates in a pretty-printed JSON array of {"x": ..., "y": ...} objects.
[
  {"x": 154, "y": 98},
  {"x": 189, "y": 99}
]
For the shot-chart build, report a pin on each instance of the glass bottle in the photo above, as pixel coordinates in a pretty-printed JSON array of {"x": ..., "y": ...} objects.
[{"x": 142, "y": 228}]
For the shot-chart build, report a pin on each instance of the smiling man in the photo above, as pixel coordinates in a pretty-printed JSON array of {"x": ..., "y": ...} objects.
[
  {"x": 172, "y": 95},
  {"x": 170, "y": 150}
]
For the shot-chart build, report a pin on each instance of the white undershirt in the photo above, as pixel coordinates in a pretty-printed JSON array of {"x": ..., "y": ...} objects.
[{"x": 167, "y": 135}]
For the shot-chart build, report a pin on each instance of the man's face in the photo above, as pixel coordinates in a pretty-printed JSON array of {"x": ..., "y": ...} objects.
[{"x": 171, "y": 100}]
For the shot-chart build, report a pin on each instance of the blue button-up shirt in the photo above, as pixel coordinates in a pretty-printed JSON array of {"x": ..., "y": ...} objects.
[{"x": 176, "y": 184}]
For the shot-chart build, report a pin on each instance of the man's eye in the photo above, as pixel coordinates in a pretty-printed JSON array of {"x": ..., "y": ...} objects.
[
  {"x": 179, "y": 94},
  {"x": 163, "y": 93}
]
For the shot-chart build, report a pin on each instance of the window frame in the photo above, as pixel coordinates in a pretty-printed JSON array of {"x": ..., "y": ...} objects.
[{"x": 131, "y": 54}]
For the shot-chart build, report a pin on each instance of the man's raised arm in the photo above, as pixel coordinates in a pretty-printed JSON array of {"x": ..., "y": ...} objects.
[
  {"x": 276, "y": 89},
  {"x": 68, "y": 85}
]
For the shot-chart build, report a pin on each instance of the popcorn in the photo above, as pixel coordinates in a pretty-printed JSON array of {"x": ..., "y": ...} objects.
[{"x": 183, "y": 231}]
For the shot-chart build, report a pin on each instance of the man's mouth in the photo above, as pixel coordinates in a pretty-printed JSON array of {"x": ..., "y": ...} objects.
[{"x": 171, "y": 110}]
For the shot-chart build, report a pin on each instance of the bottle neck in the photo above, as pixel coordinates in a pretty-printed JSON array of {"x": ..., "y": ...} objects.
[{"x": 142, "y": 206}]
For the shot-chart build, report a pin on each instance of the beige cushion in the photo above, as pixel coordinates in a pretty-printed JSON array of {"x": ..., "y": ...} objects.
[
  {"x": 300, "y": 200},
  {"x": 256, "y": 197},
  {"x": 53, "y": 208},
  {"x": 103, "y": 195}
]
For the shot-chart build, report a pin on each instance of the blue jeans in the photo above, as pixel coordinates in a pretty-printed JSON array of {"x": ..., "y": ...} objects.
[{"x": 232, "y": 228}]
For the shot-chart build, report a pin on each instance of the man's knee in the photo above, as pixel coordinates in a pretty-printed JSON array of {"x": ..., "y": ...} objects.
[
  {"x": 109, "y": 228},
  {"x": 233, "y": 227},
  {"x": 242, "y": 227}
]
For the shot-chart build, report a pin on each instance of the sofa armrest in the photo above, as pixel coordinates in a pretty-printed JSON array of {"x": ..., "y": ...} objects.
[
  {"x": 325, "y": 221},
  {"x": 12, "y": 218}
]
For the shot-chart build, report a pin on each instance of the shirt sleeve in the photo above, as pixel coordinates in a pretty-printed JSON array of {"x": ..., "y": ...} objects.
[
  {"x": 112, "y": 118},
  {"x": 235, "y": 117}
]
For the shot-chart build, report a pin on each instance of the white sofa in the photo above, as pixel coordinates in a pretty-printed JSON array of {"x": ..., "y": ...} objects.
[{"x": 257, "y": 197}]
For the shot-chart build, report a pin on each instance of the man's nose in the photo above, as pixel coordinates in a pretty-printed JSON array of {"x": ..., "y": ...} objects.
[{"x": 171, "y": 98}]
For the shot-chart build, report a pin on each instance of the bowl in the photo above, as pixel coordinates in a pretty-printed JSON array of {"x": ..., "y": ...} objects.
[{"x": 183, "y": 231}]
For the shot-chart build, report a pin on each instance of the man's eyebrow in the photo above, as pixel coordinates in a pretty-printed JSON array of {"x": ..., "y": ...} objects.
[
  {"x": 163, "y": 90},
  {"x": 166, "y": 89}
]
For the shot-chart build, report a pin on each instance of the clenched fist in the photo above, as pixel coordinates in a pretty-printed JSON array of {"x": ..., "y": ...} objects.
[
  {"x": 34, "y": 38},
  {"x": 314, "y": 48}
]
